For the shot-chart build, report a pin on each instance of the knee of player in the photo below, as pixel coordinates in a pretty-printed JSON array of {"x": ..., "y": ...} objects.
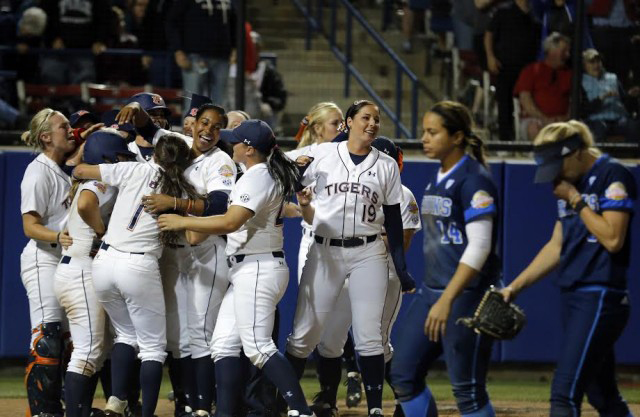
[
  {"x": 259, "y": 357},
  {"x": 371, "y": 348},
  {"x": 82, "y": 367},
  {"x": 327, "y": 351},
  {"x": 152, "y": 355}
]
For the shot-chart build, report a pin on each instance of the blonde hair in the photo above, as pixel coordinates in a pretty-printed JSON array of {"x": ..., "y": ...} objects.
[
  {"x": 317, "y": 116},
  {"x": 40, "y": 123},
  {"x": 555, "y": 132}
]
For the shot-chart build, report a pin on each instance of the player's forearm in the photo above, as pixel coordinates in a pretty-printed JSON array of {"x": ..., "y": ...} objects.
[
  {"x": 37, "y": 231},
  {"x": 544, "y": 262},
  {"x": 308, "y": 213},
  {"x": 213, "y": 225},
  {"x": 461, "y": 278},
  {"x": 87, "y": 172},
  {"x": 605, "y": 232},
  {"x": 93, "y": 219}
]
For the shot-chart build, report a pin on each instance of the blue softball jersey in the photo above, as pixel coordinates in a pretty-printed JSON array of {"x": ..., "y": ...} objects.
[
  {"x": 583, "y": 260},
  {"x": 465, "y": 194}
]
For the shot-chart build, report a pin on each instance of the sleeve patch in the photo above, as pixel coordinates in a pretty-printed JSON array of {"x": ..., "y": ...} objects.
[
  {"x": 226, "y": 171},
  {"x": 245, "y": 198},
  {"x": 481, "y": 200},
  {"x": 100, "y": 186},
  {"x": 616, "y": 191}
]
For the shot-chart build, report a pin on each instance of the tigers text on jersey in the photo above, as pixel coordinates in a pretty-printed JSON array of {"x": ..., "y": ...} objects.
[
  {"x": 465, "y": 194},
  {"x": 80, "y": 231},
  {"x": 45, "y": 190},
  {"x": 131, "y": 229},
  {"x": 349, "y": 197},
  {"x": 257, "y": 191},
  {"x": 583, "y": 260}
]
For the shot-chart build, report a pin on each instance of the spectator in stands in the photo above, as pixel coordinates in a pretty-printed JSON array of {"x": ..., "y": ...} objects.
[
  {"x": 251, "y": 89},
  {"x": 78, "y": 24},
  {"x": 544, "y": 87},
  {"x": 273, "y": 95},
  {"x": 603, "y": 105},
  {"x": 511, "y": 41},
  {"x": 31, "y": 27},
  {"x": 558, "y": 16},
  {"x": 202, "y": 35},
  {"x": 615, "y": 24},
  {"x": 413, "y": 14}
]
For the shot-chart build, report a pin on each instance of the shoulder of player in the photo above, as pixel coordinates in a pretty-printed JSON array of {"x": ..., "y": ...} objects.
[
  {"x": 613, "y": 170},
  {"x": 43, "y": 169}
]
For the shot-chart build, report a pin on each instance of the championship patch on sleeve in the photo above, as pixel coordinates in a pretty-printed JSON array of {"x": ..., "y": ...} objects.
[
  {"x": 616, "y": 191},
  {"x": 481, "y": 200},
  {"x": 245, "y": 198},
  {"x": 226, "y": 171},
  {"x": 100, "y": 186},
  {"x": 414, "y": 211}
]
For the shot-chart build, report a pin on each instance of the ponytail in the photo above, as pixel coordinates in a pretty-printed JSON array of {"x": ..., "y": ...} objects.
[
  {"x": 284, "y": 172},
  {"x": 39, "y": 124},
  {"x": 477, "y": 148},
  {"x": 173, "y": 155}
]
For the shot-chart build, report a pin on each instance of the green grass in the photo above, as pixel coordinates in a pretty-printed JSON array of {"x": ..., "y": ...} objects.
[{"x": 505, "y": 385}]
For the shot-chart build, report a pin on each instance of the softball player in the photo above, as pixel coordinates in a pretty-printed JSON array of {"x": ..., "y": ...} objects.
[
  {"x": 258, "y": 272},
  {"x": 590, "y": 249},
  {"x": 44, "y": 207},
  {"x": 91, "y": 205},
  {"x": 190, "y": 116},
  {"x": 125, "y": 270},
  {"x": 157, "y": 110},
  {"x": 357, "y": 190},
  {"x": 212, "y": 173},
  {"x": 337, "y": 328},
  {"x": 459, "y": 212}
]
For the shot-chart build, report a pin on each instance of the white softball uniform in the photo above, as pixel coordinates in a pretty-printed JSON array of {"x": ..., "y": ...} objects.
[
  {"x": 347, "y": 223},
  {"x": 44, "y": 190},
  {"x": 258, "y": 272},
  {"x": 74, "y": 284},
  {"x": 125, "y": 271},
  {"x": 337, "y": 327},
  {"x": 133, "y": 147},
  {"x": 204, "y": 266}
]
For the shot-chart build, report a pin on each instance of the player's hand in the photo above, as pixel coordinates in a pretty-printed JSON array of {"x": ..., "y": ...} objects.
[
  {"x": 304, "y": 160},
  {"x": 85, "y": 133},
  {"x": 304, "y": 197},
  {"x": 168, "y": 222},
  {"x": 182, "y": 60},
  {"x": 157, "y": 203},
  {"x": 436, "y": 323},
  {"x": 64, "y": 239},
  {"x": 408, "y": 284},
  {"x": 128, "y": 113},
  {"x": 564, "y": 190},
  {"x": 508, "y": 294}
]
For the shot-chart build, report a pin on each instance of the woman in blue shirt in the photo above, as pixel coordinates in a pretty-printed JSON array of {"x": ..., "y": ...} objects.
[{"x": 590, "y": 251}]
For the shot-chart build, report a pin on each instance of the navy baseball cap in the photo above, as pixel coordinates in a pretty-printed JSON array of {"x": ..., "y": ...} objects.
[
  {"x": 109, "y": 120},
  {"x": 387, "y": 146},
  {"x": 549, "y": 157},
  {"x": 102, "y": 147},
  {"x": 76, "y": 117},
  {"x": 254, "y": 133},
  {"x": 150, "y": 101},
  {"x": 197, "y": 100}
]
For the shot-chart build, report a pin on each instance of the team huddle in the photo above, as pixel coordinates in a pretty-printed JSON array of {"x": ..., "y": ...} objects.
[{"x": 148, "y": 246}]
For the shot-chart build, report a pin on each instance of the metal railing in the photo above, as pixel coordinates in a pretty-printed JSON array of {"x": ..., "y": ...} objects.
[{"x": 315, "y": 24}]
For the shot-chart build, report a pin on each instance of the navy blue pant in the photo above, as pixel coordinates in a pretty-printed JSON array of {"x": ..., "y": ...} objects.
[
  {"x": 593, "y": 319},
  {"x": 466, "y": 353}
]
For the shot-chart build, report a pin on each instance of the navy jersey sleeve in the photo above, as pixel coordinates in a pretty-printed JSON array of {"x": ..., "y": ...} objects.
[
  {"x": 478, "y": 197},
  {"x": 619, "y": 191}
]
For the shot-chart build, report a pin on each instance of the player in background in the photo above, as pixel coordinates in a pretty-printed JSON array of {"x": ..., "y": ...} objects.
[
  {"x": 212, "y": 173},
  {"x": 126, "y": 272},
  {"x": 460, "y": 220},
  {"x": 258, "y": 271},
  {"x": 157, "y": 110},
  {"x": 190, "y": 116},
  {"x": 45, "y": 208},
  {"x": 91, "y": 203},
  {"x": 590, "y": 249},
  {"x": 83, "y": 119},
  {"x": 235, "y": 117},
  {"x": 357, "y": 191}
]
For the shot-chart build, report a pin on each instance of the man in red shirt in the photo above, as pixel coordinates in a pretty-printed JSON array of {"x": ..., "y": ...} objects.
[{"x": 544, "y": 87}]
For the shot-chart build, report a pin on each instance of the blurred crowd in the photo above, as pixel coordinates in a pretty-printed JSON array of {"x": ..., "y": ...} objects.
[{"x": 188, "y": 44}]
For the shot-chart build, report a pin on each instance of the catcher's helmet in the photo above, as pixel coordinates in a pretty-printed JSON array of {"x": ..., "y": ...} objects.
[
  {"x": 150, "y": 101},
  {"x": 104, "y": 147}
]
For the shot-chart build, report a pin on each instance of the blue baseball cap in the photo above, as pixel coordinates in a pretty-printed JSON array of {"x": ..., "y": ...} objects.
[
  {"x": 76, "y": 117},
  {"x": 109, "y": 120},
  {"x": 387, "y": 146},
  {"x": 549, "y": 157},
  {"x": 254, "y": 133},
  {"x": 150, "y": 101},
  {"x": 104, "y": 147},
  {"x": 197, "y": 100}
]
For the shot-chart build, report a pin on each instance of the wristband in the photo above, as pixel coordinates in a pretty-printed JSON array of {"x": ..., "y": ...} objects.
[
  {"x": 579, "y": 206},
  {"x": 77, "y": 135},
  {"x": 572, "y": 201},
  {"x": 58, "y": 237}
]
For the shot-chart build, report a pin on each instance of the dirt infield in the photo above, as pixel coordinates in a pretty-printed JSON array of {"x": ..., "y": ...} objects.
[{"x": 14, "y": 407}]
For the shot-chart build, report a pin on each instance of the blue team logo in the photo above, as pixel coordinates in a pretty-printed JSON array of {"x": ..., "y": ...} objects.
[
  {"x": 481, "y": 200},
  {"x": 616, "y": 191}
]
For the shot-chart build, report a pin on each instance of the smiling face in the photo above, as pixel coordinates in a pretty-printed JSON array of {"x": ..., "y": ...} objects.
[
  {"x": 206, "y": 131},
  {"x": 437, "y": 143},
  {"x": 328, "y": 130},
  {"x": 60, "y": 138},
  {"x": 364, "y": 125},
  {"x": 159, "y": 118}
]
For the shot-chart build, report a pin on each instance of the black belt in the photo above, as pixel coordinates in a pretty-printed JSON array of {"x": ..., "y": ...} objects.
[
  {"x": 236, "y": 259},
  {"x": 106, "y": 246},
  {"x": 54, "y": 245},
  {"x": 65, "y": 259},
  {"x": 353, "y": 242}
]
